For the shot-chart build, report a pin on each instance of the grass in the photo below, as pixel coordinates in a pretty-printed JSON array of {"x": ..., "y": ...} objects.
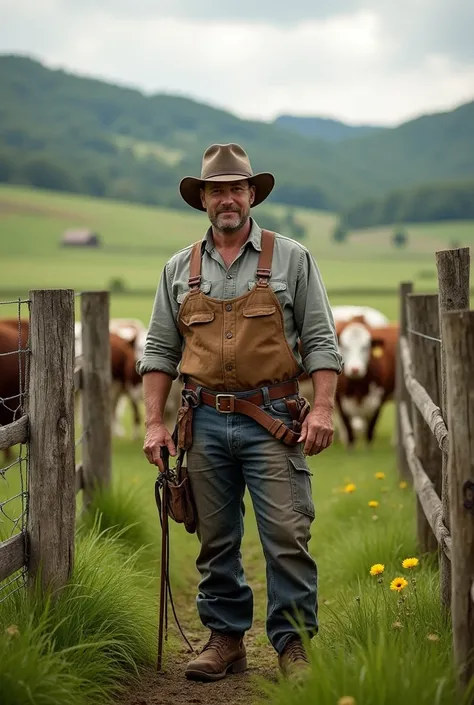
[
  {"x": 139, "y": 239},
  {"x": 81, "y": 644}
]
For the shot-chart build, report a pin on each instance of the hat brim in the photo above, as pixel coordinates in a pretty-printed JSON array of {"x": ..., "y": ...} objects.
[{"x": 190, "y": 187}]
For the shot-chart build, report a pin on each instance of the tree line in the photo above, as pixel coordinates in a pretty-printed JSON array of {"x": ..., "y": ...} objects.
[{"x": 430, "y": 202}]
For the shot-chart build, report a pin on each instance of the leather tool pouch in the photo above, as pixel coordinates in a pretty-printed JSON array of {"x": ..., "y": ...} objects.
[
  {"x": 298, "y": 409},
  {"x": 179, "y": 498}
]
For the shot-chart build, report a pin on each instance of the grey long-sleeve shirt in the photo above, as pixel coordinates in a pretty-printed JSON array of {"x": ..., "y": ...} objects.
[{"x": 296, "y": 281}]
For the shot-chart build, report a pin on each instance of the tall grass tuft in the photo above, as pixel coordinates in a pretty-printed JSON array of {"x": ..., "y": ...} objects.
[
  {"x": 84, "y": 641},
  {"x": 121, "y": 510}
]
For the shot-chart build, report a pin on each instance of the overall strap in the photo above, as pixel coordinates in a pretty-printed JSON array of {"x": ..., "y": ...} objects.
[
  {"x": 264, "y": 266},
  {"x": 195, "y": 267}
]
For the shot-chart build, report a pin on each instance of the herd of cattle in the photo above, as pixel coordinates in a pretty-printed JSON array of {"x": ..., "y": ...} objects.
[{"x": 367, "y": 342}]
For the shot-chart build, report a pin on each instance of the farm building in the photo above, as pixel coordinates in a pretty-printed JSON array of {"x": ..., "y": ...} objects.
[{"x": 82, "y": 237}]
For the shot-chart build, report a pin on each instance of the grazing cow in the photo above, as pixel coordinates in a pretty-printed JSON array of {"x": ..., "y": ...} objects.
[
  {"x": 368, "y": 378},
  {"x": 10, "y": 381}
]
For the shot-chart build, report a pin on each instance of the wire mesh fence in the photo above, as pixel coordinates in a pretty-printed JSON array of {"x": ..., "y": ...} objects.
[{"x": 14, "y": 375}]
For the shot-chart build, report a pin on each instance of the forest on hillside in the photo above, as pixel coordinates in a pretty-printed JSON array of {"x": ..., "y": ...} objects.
[{"x": 67, "y": 133}]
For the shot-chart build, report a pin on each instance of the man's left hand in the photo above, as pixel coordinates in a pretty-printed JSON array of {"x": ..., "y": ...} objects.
[{"x": 317, "y": 431}]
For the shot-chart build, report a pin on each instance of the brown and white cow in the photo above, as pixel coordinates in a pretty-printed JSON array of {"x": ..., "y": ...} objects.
[{"x": 368, "y": 378}]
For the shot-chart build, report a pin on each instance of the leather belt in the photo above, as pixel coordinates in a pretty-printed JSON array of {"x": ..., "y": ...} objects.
[
  {"x": 227, "y": 403},
  {"x": 224, "y": 401}
]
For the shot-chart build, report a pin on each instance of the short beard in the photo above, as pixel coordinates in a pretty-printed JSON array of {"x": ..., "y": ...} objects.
[{"x": 229, "y": 229}]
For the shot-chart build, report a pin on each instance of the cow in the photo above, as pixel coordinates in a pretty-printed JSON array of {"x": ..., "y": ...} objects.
[
  {"x": 12, "y": 373},
  {"x": 368, "y": 378},
  {"x": 125, "y": 379},
  {"x": 355, "y": 396}
]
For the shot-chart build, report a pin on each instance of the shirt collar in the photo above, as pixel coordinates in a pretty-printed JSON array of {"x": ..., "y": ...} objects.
[{"x": 254, "y": 238}]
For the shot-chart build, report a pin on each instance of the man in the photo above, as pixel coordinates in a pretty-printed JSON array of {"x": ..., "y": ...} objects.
[{"x": 230, "y": 311}]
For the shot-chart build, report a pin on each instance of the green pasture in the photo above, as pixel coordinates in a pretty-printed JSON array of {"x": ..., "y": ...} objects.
[{"x": 137, "y": 241}]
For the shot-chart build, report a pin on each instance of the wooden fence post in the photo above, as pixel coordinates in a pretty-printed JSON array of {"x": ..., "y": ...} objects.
[
  {"x": 453, "y": 283},
  {"x": 401, "y": 393},
  {"x": 52, "y": 495},
  {"x": 459, "y": 346},
  {"x": 423, "y": 319},
  {"x": 96, "y": 392}
]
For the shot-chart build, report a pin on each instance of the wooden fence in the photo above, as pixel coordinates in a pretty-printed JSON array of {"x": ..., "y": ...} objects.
[
  {"x": 435, "y": 422},
  {"x": 46, "y": 547}
]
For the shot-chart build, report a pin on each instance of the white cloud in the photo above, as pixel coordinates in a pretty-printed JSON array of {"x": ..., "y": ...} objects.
[{"x": 377, "y": 64}]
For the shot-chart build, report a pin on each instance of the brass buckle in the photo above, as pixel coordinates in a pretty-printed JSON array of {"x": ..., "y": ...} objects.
[{"x": 225, "y": 396}]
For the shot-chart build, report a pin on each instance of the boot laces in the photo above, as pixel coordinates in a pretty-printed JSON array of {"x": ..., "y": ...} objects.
[
  {"x": 217, "y": 641},
  {"x": 295, "y": 651}
]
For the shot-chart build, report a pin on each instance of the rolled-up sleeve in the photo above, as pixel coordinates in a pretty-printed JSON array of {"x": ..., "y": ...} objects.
[
  {"x": 314, "y": 319},
  {"x": 163, "y": 346}
]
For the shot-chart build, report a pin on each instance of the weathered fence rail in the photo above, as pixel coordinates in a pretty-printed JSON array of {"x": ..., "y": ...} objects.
[
  {"x": 46, "y": 546},
  {"x": 435, "y": 422}
]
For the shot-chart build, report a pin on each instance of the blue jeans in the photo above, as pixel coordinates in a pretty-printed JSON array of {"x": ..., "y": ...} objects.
[{"x": 230, "y": 452}]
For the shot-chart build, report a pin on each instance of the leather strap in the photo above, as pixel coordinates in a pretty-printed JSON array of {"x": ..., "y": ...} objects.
[
  {"x": 285, "y": 389},
  {"x": 264, "y": 266},
  {"x": 250, "y": 406},
  {"x": 195, "y": 266}
]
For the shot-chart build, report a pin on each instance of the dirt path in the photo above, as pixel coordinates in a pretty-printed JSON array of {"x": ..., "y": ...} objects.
[{"x": 171, "y": 687}]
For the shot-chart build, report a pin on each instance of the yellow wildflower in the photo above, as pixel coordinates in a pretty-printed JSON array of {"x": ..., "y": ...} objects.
[
  {"x": 397, "y": 625},
  {"x": 373, "y": 503},
  {"x": 432, "y": 637},
  {"x": 403, "y": 485},
  {"x": 410, "y": 562},
  {"x": 346, "y": 700},
  {"x": 377, "y": 569},
  {"x": 349, "y": 488},
  {"x": 12, "y": 630},
  {"x": 380, "y": 475},
  {"x": 398, "y": 584}
]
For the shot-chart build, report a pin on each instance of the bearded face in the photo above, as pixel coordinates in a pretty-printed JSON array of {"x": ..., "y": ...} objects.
[{"x": 228, "y": 204}]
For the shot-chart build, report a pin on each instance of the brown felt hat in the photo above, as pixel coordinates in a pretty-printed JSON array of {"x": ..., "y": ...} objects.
[{"x": 225, "y": 162}]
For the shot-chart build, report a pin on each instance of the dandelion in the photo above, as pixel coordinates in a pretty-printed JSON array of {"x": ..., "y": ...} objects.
[
  {"x": 377, "y": 569},
  {"x": 397, "y": 625},
  {"x": 12, "y": 630},
  {"x": 380, "y": 475},
  {"x": 346, "y": 700},
  {"x": 373, "y": 503},
  {"x": 398, "y": 584},
  {"x": 349, "y": 488},
  {"x": 403, "y": 485},
  {"x": 410, "y": 562},
  {"x": 432, "y": 637}
]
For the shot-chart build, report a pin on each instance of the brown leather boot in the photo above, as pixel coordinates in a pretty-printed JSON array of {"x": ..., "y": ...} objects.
[
  {"x": 221, "y": 655},
  {"x": 293, "y": 661}
]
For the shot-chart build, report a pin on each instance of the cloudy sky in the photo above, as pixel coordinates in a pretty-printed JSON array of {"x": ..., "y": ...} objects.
[{"x": 375, "y": 61}]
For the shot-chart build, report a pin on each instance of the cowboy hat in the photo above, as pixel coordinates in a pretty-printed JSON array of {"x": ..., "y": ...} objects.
[{"x": 225, "y": 162}]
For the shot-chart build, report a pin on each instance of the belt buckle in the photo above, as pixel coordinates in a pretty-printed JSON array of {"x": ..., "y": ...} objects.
[{"x": 231, "y": 404}]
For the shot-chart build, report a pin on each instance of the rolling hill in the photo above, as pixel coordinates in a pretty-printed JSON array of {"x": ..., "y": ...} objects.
[
  {"x": 324, "y": 129},
  {"x": 64, "y": 132}
]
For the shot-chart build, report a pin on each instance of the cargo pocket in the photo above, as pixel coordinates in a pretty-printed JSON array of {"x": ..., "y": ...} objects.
[{"x": 300, "y": 477}]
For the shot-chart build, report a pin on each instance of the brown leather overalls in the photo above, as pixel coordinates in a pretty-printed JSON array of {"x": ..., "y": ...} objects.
[
  {"x": 236, "y": 344},
  {"x": 239, "y": 344}
]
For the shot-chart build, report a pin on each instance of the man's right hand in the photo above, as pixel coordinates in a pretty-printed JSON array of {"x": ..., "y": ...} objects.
[{"x": 157, "y": 436}]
